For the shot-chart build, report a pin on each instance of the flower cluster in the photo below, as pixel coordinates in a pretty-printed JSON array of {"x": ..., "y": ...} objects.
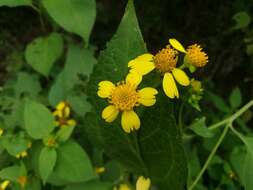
[
  {"x": 124, "y": 96},
  {"x": 141, "y": 184}
]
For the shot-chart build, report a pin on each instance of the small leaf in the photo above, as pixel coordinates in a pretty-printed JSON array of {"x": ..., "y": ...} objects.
[
  {"x": 77, "y": 16},
  {"x": 47, "y": 162},
  {"x": 235, "y": 98},
  {"x": 43, "y": 52},
  {"x": 15, "y": 3},
  {"x": 200, "y": 128},
  {"x": 12, "y": 173},
  {"x": 64, "y": 133},
  {"x": 73, "y": 163},
  {"x": 39, "y": 121},
  {"x": 219, "y": 103},
  {"x": 242, "y": 20}
]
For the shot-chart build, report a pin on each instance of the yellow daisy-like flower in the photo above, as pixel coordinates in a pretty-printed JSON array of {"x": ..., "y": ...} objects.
[
  {"x": 62, "y": 114},
  {"x": 4, "y": 184},
  {"x": 164, "y": 62},
  {"x": 123, "y": 97},
  {"x": 143, "y": 183},
  {"x": 194, "y": 55}
]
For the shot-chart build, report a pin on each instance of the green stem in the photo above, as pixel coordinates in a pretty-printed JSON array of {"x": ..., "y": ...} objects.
[
  {"x": 209, "y": 157},
  {"x": 180, "y": 117},
  {"x": 228, "y": 121}
]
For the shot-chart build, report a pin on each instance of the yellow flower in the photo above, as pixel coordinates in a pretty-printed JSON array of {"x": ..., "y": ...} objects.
[
  {"x": 143, "y": 183},
  {"x": 165, "y": 62},
  {"x": 22, "y": 155},
  {"x": 196, "y": 86},
  {"x": 124, "y": 187},
  {"x": 99, "y": 170},
  {"x": 4, "y": 184},
  {"x": 123, "y": 97},
  {"x": 1, "y": 132},
  {"x": 194, "y": 55},
  {"x": 62, "y": 114}
]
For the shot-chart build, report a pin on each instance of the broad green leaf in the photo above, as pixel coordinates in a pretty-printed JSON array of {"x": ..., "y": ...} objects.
[
  {"x": 39, "y": 121},
  {"x": 200, "y": 128},
  {"x": 47, "y": 162},
  {"x": 242, "y": 20},
  {"x": 218, "y": 102},
  {"x": 42, "y": 52},
  {"x": 79, "y": 63},
  {"x": 27, "y": 83},
  {"x": 77, "y": 16},
  {"x": 15, "y": 3},
  {"x": 193, "y": 165},
  {"x": 156, "y": 150},
  {"x": 12, "y": 173},
  {"x": 79, "y": 104},
  {"x": 90, "y": 185},
  {"x": 235, "y": 98},
  {"x": 73, "y": 163},
  {"x": 248, "y": 172},
  {"x": 64, "y": 133}
]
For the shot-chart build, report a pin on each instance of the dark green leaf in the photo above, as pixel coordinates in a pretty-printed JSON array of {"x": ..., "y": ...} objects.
[
  {"x": 39, "y": 121},
  {"x": 248, "y": 172},
  {"x": 91, "y": 185},
  {"x": 235, "y": 98},
  {"x": 43, "y": 52},
  {"x": 200, "y": 128},
  {"x": 73, "y": 163},
  {"x": 47, "y": 162},
  {"x": 15, "y": 3},
  {"x": 75, "y": 16},
  {"x": 242, "y": 20},
  {"x": 219, "y": 103}
]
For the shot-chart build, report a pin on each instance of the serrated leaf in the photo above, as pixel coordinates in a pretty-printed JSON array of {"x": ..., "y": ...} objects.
[
  {"x": 235, "y": 98},
  {"x": 73, "y": 163},
  {"x": 200, "y": 128},
  {"x": 41, "y": 53},
  {"x": 77, "y": 16},
  {"x": 39, "y": 121},
  {"x": 47, "y": 162},
  {"x": 15, "y": 3}
]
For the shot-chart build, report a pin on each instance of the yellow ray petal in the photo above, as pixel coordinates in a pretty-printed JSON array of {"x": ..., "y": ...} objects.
[
  {"x": 142, "y": 183},
  {"x": 60, "y": 106},
  {"x": 4, "y": 184},
  {"x": 142, "y": 65},
  {"x": 105, "y": 88},
  {"x": 134, "y": 78},
  {"x": 130, "y": 121},
  {"x": 124, "y": 187},
  {"x": 147, "y": 96},
  {"x": 71, "y": 122},
  {"x": 110, "y": 113},
  {"x": 169, "y": 86},
  {"x": 181, "y": 77},
  {"x": 177, "y": 45},
  {"x": 66, "y": 112}
]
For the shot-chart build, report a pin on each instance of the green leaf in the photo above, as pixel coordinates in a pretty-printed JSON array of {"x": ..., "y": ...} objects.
[
  {"x": 15, "y": 3},
  {"x": 79, "y": 104},
  {"x": 77, "y": 16},
  {"x": 12, "y": 173},
  {"x": 41, "y": 53},
  {"x": 64, "y": 133},
  {"x": 90, "y": 185},
  {"x": 248, "y": 172},
  {"x": 47, "y": 162},
  {"x": 39, "y": 121},
  {"x": 200, "y": 128},
  {"x": 27, "y": 83},
  {"x": 219, "y": 103},
  {"x": 79, "y": 63},
  {"x": 73, "y": 163},
  {"x": 156, "y": 150},
  {"x": 235, "y": 98},
  {"x": 242, "y": 20}
]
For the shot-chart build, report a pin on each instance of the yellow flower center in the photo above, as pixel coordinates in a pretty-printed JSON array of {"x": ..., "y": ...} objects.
[
  {"x": 195, "y": 56},
  {"x": 166, "y": 59},
  {"x": 22, "y": 180},
  {"x": 124, "y": 96}
]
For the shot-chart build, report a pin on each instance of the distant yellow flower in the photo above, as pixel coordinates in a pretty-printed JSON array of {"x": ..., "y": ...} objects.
[
  {"x": 99, "y": 170},
  {"x": 4, "y": 184},
  {"x": 194, "y": 55},
  {"x": 143, "y": 183},
  {"x": 22, "y": 154},
  {"x": 165, "y": 62},
  {"x": 1, "y": 132},
  {"x": 124, "y": 187},
  {"x": 22, "y": 180},
  {"x": 123, "y": 97},
  {"x": 62, "y": 114}
]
